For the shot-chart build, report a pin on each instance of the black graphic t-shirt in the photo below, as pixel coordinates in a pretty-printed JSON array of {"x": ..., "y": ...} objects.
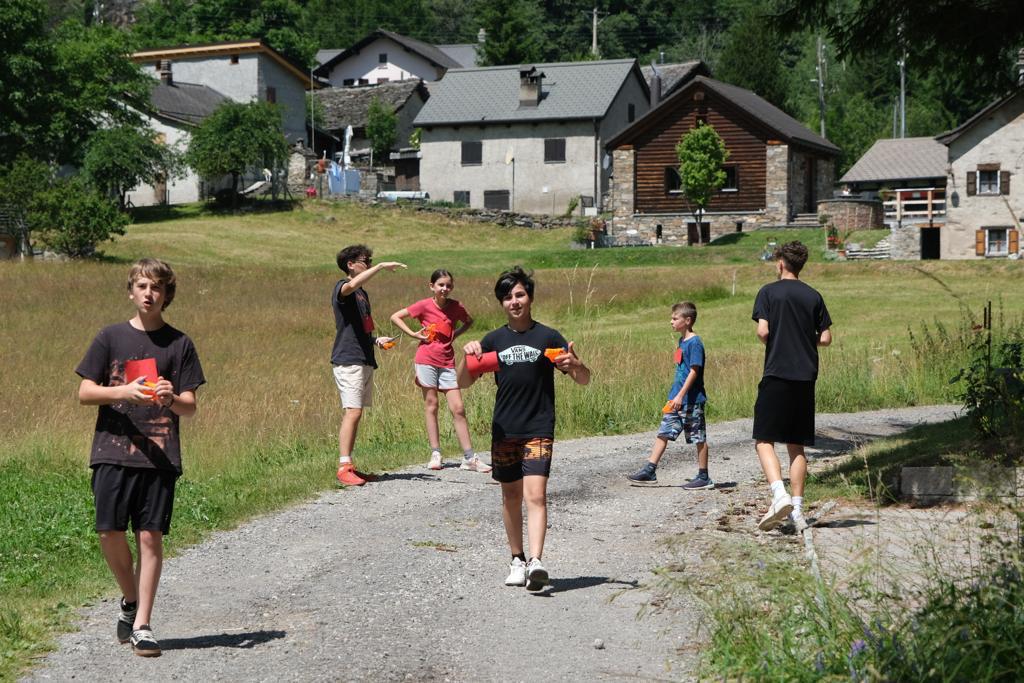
[
  {"x": 524, "y": 407},
  {"x": 131, "y": 435},
  {"x": 796, "y": 316},
  {"x": 353, "y": 337}
]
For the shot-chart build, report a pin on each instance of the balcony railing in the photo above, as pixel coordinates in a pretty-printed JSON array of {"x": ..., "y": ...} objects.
[{"x": 914, "y": 204}]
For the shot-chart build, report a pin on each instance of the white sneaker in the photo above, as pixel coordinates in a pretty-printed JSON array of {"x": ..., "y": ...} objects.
[
  {"x": 536, "y": 575},
  {"x": 799, "y": 523},
  {"x": 516, "y": 573},
  {"x": 435, "y": 461},
  {"x": 475, "y": 464},
  {"x": 777, "y": 511}
]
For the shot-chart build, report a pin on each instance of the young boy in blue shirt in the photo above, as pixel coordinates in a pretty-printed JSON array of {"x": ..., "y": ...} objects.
[{"x": 684, "y": 412}]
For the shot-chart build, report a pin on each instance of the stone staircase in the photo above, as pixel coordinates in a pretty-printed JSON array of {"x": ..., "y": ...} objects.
[
  {"x": 804, "y": 220},
  {"x": 879, "y": 251}
]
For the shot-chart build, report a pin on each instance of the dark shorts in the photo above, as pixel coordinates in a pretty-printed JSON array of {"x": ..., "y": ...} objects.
[
  {"x": 784, "y": 411},
  {"x": 513, "y": 459},
  {"x": 144, "y": 497},
  {"x": 689, "y": 422}
]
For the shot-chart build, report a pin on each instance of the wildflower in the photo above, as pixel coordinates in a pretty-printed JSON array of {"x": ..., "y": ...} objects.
[{"x": 857, "y": 647}]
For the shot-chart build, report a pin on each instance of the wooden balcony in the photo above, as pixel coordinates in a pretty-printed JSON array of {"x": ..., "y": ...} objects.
[{"x": 915, "y": 205}]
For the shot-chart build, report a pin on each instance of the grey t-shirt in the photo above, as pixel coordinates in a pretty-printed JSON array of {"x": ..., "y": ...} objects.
[
  {"x": 142, "y": 436},
  {"x": 353, "y": 324}
]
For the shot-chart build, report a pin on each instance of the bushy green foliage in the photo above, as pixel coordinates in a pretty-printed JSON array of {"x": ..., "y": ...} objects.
[
  {"x": 701, "y": 153},
  {"x": 381, "y": 129},
  {"x": 72, "y": 218},
  {"x": 514, "y": 32},
  {"x": 118, "y": 159},
  {"x": 237, "y": 137}
]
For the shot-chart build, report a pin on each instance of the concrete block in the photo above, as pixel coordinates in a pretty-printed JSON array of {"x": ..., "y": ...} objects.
[{"x": 926, "y": 481}]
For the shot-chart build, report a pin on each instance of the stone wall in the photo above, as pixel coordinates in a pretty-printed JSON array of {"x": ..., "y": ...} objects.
[
  {"x": 300, "y": 164},
  {"x": 777, "y": 182},
  {"x": 852, "y": 214},
  {"x": 622, "y": 182},
  {"x": 905, "y": 242}
]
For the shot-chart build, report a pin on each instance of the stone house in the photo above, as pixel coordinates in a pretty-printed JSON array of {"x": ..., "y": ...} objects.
[
  {"x": 343, "y": 107},
  {"x": 985, "y": 201},
  {"x": 527, "y": 138},
  {"x": 776, "y": 172},
  {"x": 385, "y": 56},
  {"x": 193, "y": 80}
]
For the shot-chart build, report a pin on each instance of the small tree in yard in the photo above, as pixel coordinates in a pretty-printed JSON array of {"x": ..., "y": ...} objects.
[
  {"x": 118, "y": 159},
  {"x": 381, "y": 128},
  {"x": 701, "y": 154},
  {"x": 236, "y": 137}
]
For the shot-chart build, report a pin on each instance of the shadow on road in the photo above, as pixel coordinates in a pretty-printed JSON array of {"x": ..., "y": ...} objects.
[
  {"x": 563, "y": 585},
  {"x": 242, "y": 641}
]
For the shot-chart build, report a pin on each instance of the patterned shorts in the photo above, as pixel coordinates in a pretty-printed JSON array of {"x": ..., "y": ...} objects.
[
  {"x": 689, "y": 422},
  {"x": 513, "y": 459}
]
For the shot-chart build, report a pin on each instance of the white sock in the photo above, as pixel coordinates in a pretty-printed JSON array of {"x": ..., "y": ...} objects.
[
  {"x": 778, "y": 489},
  {"x": 435, "y": 451},
  {"x": 798, "y": 505},
  {"x": 345, "y": 460},
  {"x": 468, "y": 454}
]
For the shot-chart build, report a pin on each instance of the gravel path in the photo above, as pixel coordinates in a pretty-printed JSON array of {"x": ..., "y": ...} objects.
[{"x": 402, "y": 579}]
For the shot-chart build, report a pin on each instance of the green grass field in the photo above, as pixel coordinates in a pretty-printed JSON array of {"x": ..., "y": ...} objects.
[{"x": 254, "y": 295}]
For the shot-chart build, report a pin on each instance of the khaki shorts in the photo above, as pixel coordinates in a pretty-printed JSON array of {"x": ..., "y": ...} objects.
[{"x": 355, "y": 385}]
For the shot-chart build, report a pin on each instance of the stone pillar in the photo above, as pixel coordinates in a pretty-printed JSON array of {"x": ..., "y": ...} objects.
[
  {"x": 622, "y": 186},
  {"x": 905, "y": 242},
  {"x": 776, "y": 200}
]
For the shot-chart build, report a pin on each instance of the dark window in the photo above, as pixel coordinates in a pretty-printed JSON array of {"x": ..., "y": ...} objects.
[
  {"x": 496, "y": 199},
  {"x": 234, "y": 59},
  {"x": 996, "y": 241},
  {"x": 271, "y": 95},
  {"x": 382, "y": 58},
  {"x": 988, "y": 182},
  {"x": 349, "y": 81},
  {"x": 702, "y": 120},
  {"x": 631, "y": 112},
  {"x": 461, "y": 197},
  {"x": 364, "y": 81},
  {"x": 732, "y": 179},
  {"x": 383, "y": 80},
  {"x": 673, "y": 183},
  {"x": 554, "y": 150},
  {"x": 472, "y": 152}
]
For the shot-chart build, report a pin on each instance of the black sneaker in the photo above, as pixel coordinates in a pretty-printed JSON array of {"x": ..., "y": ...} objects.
[
  {"x": 699, "y": 483},
  {"x": 126, "y": 620},
  {"x": 144, "y": 643},
  {"x": 644, "y": 475}
]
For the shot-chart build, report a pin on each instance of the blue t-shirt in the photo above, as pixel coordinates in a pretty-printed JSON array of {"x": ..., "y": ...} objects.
[{"x": 689, "y": 354}]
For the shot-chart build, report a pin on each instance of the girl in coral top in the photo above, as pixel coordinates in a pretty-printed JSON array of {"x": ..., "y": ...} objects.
[{"x": 441, "y": 320}]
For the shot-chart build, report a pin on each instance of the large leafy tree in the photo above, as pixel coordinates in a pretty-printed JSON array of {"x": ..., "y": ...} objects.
[
  {"x": 120, "y": 158},
  {"x": 237, "y": 137},
  {"x": 701, "y": 153},
  {"x": 751, "y": 58},
  {"x": 27, "y": 55},
  {"x": 381, "y": 129},
  {"x": 514, "y": 32}
]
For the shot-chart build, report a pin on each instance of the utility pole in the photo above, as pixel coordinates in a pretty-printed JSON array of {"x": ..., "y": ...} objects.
[
  {"x": 903, "y": 81},
  {"x": 821, "y": 84},
  {"x": 593, "y": 40}
]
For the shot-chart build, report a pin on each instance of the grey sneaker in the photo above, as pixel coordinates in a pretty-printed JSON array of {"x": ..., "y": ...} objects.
[
  {"x": 644, "y": 475},
  {"x": 516, "y": 573},
  {"x": 799, "y": 523},
  {"x": 699, "y": 483},
  {"x": 777, "y": 511},
  {"x": 144, "y": 643},
  {"x": 126, "y": 621},
  {"x": 536, "y": 575}
]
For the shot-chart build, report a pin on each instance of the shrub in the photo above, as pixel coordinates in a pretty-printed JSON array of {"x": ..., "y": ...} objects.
[{"x": 71, "y": 218}]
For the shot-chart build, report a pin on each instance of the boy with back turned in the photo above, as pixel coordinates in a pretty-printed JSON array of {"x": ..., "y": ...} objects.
[{"x": 792, "y": 322}]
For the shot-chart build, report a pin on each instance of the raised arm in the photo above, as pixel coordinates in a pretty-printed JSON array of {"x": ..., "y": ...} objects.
[
  {"x": 365, "y": 276},
  {"x": 465, "y": 377}
]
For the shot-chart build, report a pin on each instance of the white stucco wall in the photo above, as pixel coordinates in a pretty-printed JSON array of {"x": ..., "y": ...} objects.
[
  {"x": 997, "y": 140},
  {"x": 291, "y": 97},
  {"x": 401, "y": 65},
  {"x": 179, "y": 191},
  {"x": 539, "y": 187},
  {"x": 617, "y": 120}
]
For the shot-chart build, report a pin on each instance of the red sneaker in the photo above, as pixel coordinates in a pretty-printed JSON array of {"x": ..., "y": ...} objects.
[{"x": 347, "y": 475}]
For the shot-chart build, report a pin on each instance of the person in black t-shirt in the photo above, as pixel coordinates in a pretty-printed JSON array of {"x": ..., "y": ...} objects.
[
  {"x": 143, "y": 375},
  {"x": 523, "y": 426},
  {"x": 792, "y": 322},
  {"x": 352, "y": 357}
]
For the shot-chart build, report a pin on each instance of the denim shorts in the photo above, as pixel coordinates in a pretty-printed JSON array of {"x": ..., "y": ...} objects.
[{"x": 689, "y": 422}]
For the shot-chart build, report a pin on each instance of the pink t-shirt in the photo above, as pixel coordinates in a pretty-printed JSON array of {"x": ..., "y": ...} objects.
[{"x": 439, "y": 352}]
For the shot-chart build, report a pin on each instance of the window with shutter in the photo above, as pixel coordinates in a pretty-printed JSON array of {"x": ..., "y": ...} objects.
[
  {"x": 972, "y": 183},
  {"x": 1014, "y": 241},
  {"x": 554, "y": 151},
  {"x": 472, "y": 152},
  {"x": 496, "y": 199},
  {"x": 979, "y": 242},
  {"x": 461, "y": 197},
  {"x": 988, "y": 182},
  {"x": 1004, "y": 182}
]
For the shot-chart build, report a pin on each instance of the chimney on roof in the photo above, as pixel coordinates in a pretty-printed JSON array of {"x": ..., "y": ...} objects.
[
  {"x": 655, "y": 86},
  {"x": 1020, "y": 67},
  {"x": 165, "y": 72},
  {"x": 530, "y": 87},
  {"x": 481, "y": 36}
]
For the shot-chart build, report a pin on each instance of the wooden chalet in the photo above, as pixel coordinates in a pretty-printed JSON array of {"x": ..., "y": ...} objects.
[{"x": 777, "y": 169}]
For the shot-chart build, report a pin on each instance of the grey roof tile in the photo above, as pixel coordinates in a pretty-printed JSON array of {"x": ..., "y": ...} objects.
[
  {"x": 571, "y": 90},
  {"x": 465, "y": 54},
  {"x": 900, "y": 159},
  {"x": 674, "y": 76},
  {"x": 188, "y": 103},
  {"x": 349, "y": 106}
]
